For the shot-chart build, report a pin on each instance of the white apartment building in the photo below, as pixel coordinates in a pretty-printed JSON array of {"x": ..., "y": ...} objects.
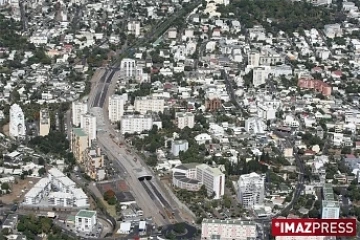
[
  {"x": 266, "y": 113},
  {"x": 265, "y": 57},
  {"x": 66, "y": 194},
  {"x": 251, "y": 189},
  {"x": 61, "y": 182},
  {"x": 128, "y": 67},
  {"x": 185, "y": 120},
  {"x": 88, "y": 124},
  {"x": 255, "y": 125},
  {"x": 17, "y": 128},
  {"x": 212, "y": 178},
  {"x": 40, "y": 190},
  {"x": 116, "y": 107},
  {"x": 178, "y": 146},
  {"x": 134, "y": 28},
  {"x": 85, "y": 221},
  {"x": 228, "y": 229},
  {"x": 136, "y": 123},
  {"x": 260, "y": 75},
  {"x": 192, "y": 176},
  {"x": 149, "y": 103},
  {"x": 44, "y": 124},
  {"x": 78, "y": 108}
]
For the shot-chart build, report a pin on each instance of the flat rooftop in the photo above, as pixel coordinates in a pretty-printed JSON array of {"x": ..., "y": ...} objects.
[
  {"x": 86, "y": 214},
  {"x": 79, "y": 132}
]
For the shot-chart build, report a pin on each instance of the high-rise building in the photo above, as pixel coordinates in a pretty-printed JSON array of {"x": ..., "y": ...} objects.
[
  {"x": 44, "y": 124},
  {"x": 128, "y": 67},
  {"x": 330, "y": 207},
  {"x": 78, "y": 108},
  {"x": 116, "y": 107},
  {"x": 192, "y": 176},
  {"x": 17, "y": 128},
  {"x": 79, "y": 143},
  {"x": 228, "y": 229},
  {"x": 185, "y": 120},
  {"x": 134, "y": 28},
  {"x": 212, "y": 178},
  {"x": 251, "y": 189},
  {"x": 149, "y": 103},
  {"x": 88, "y": 124},
  {"x": 94, "y": 164}
]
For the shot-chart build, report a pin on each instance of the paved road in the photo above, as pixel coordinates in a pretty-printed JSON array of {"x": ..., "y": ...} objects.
[
  {"x": 97, "y": 100},
  {"x": 148, "y": 205}
]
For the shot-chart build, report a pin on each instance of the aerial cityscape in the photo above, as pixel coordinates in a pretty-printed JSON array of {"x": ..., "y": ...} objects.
[{"x": 180, "y": 119}]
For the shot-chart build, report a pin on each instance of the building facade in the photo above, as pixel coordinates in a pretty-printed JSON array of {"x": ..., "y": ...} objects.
[
  {"x": 116, "y": 107},
  {"x": 330, "y": 206},
  {"x": 78, "y": 143},
  {"x": 228, "y": 229},
  {"x": 136, "y": 123},
  {"x": 185, "y": 120},
  {"x": 78, "y": 108},
  {"x": 17, "y": 128},
  {"x": 44, "y": 125},
  {"x": 85, "y": 221},
  {"x": 179, "y": 145},
  {"x": 128, "y": 67},
  {"x": 94, "y": 164},
  {"x": 88, "y": 124},
  {"x": 251, "y": 189},
  {"x": 192, "y": 176},
  {"x": 150, "y": 103}
]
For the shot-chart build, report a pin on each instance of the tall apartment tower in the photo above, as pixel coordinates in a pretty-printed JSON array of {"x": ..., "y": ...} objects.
[
  {"x": 44, "y": 125},
  {"x": 330, "y": 206},
  {"x": 78, "y": 108},
  {"x": 17, "y": 128},
  {"x": 251, "y": 189},
  {"x": 128, "y": 67},
  {"x": 88, "y": 124},
  {"x": 116, "y": 107}
]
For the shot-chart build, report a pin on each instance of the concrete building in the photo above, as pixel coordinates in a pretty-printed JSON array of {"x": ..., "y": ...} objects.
[
  {"x": 78, "y": 108},
  {"x": 88, "y": 124},
  {"x": 94, "y": 164},
  {"x": 38, "y": 191},
  {"x": 251, "y": 189},
  {"x": 138, "y": 123},
  {"x": 78, "y": 143},
  {"x": 228, "y": 229},
  {"x": 149, "y": 103},
  {"x": 59, "y": 181},
  {"x": 260, "y": 75},
  {"x": 17, "y": 128},
  {"x": 330, "y": 206},
  {"x": 255, "y": 125},
  {"x": 128, "y": 67},
  {"x": 65, "y": 195},
  {"x": 192, "y": 176},
  {"x": 116, "y": 107},
  {"x": 85, "y": 221},
  {"x": 134, "y": 28},
  {"x": 44, "y": 124},
  {"x": 185, "y": 120},
  {"x": 179, "y": 145},
  {"x": 317, "y": 85}
]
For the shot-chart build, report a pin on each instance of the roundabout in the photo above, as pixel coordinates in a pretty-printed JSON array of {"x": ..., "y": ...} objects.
[{"x": 180, "y": 231}]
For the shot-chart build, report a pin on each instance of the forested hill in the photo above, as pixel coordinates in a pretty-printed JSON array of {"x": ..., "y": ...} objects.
[{"x": 282, "y": 15}]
